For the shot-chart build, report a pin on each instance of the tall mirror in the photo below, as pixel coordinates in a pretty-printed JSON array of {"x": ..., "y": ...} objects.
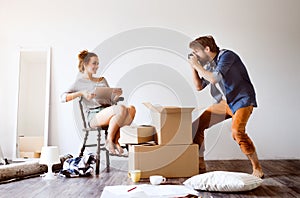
[{"x": 33, "y": 102}]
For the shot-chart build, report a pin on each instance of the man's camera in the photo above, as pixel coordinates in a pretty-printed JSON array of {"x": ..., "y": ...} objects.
[{"x": 190, "y": 55}]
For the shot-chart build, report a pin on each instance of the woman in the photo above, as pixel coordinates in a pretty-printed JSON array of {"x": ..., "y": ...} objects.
[{"x": 99, "y": 112}]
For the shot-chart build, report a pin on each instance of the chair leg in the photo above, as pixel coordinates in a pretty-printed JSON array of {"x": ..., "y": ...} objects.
[
  {"x": 98, "y": 153},
  {"x": 107, "y": 154},
  {"x": 107, "y": 159},
  {"x": 84, "y": 143}
]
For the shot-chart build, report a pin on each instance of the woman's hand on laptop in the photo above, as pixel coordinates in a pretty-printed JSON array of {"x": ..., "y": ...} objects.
[
  {"x": 88, "y": 95},
  {"x": 116, "y": 93}
]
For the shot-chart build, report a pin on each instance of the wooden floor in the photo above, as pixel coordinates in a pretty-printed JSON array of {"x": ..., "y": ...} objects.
[{"x": 282, "y": 179}]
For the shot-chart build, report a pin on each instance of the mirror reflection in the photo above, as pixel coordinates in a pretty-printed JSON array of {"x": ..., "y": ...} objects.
[{"x": 33, "y": 102}]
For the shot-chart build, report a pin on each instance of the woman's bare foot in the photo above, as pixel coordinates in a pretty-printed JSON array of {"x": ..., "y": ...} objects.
[
  {"x": 109, "y": 145},
  {"x": 116, "y": 143},
  {"x": 119, "y": 148}
]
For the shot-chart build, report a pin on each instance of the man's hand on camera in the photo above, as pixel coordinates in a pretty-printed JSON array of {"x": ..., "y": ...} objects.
[{"x": 193, "y": 60}]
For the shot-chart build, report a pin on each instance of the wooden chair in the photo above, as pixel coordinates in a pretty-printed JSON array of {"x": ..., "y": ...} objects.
[{"x": 100, "y": 146}]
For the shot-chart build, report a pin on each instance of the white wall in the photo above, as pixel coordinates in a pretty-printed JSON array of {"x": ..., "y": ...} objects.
[{"x": 265, "y": 34}]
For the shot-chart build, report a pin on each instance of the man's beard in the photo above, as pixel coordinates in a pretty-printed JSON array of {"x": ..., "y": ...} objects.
[{"x": 204, "y": 61}]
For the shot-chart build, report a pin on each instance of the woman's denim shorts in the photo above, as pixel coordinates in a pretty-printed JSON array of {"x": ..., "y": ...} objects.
[{"x": 92, "y": 112}]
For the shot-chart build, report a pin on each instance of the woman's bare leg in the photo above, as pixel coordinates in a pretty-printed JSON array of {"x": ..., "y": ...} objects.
[
  {"x": 113, "y": 117},
  {"x": 117, "y": 144},
  {"x": 130, "y": 115},
  {"x": 127, "y": 121}
]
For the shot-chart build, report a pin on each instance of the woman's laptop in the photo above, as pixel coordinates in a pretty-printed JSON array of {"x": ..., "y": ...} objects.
[{"x": 105, "y": 93}]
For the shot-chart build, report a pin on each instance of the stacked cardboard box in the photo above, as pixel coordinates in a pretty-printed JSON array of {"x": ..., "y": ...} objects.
[
  {"x": 136, "y": 134},
  {"x": 175, "y": 155},
  {"x": 166, "y": 160}
]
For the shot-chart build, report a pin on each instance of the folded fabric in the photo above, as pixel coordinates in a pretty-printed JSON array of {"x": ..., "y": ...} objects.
[
  {"x": 223, "y": 181},
  {"x": 79, "y": 166}
]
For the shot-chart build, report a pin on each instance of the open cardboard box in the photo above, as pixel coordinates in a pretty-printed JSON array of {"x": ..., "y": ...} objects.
[
  {"x": 165, "y": 160},
  {"x": 173, "y": 124},
  {"x": 136, "y": 134}
]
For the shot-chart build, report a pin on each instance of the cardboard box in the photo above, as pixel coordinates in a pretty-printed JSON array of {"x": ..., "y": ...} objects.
[
  {"x": 173, "y": 124},
  {"x": 166, "y": 160},
  {"x": 136, "y": 134}
]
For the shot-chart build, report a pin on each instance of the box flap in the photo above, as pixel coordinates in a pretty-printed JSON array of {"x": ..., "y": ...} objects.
[
  {"x": 168, "y": 109},
  {"x": 152, "y": 107}
]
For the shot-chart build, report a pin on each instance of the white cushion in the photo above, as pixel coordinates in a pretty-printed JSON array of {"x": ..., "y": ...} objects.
[{"x": 223, "y": 181}]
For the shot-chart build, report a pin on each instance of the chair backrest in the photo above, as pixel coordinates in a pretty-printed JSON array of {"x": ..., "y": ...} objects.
[{"x": 82, "y": 113}]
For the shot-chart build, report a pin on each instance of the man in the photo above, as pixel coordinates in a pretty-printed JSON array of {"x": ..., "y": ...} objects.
[{"x": 232, "y": 89}]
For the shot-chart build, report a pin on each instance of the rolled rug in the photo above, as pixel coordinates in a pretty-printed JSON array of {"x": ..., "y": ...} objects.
[{"x": 29, "y": 168}]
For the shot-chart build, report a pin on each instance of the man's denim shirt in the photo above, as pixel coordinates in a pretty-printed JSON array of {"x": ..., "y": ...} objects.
[{"x": 233, "y": 78}]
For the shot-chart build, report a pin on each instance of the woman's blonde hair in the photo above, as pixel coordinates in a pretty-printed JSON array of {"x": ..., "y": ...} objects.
[{"x": 84, "y": 58}]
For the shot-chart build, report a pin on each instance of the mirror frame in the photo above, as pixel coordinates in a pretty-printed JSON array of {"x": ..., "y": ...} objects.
[{"x": 47, "y": 95}]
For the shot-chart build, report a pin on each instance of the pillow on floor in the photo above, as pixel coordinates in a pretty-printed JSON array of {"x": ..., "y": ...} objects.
[{"x": 223, "y": 181}]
